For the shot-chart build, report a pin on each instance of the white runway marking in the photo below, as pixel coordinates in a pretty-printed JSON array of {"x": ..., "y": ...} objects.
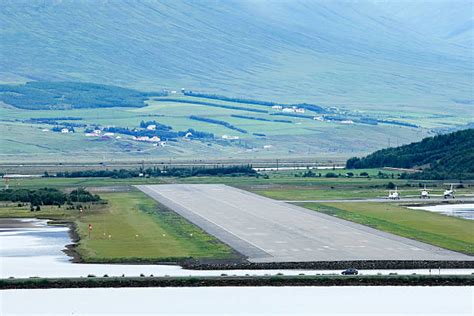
[{"x": 253, "y": 224}]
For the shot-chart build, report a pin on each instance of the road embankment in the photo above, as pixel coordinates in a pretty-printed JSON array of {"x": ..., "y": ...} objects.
[
  {"x": 223, "y": 281},
  {"x": 326, "y": 265}
]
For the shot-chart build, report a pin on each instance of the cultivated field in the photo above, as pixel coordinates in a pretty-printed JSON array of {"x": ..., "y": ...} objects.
[{"x": 23, "y": 140}]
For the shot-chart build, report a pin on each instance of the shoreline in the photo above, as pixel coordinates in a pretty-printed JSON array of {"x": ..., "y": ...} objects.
[{"x": 243, "y": 264}]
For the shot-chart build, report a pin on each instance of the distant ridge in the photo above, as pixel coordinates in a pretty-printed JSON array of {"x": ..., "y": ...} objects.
[{"x": 330, "y": 52}]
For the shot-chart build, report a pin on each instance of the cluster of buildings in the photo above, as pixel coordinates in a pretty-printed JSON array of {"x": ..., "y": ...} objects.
[
  {"x": 293, "y": 109},
  {"x": 322, "y": 119},
  {"x": 98, "y": 133},
  {"x": 155, "y": 140}
]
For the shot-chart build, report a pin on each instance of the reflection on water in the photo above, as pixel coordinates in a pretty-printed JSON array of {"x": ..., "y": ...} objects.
[
  {"x": 465, "y": 211},
  {"x": 31, "y": 238},
  {"x": 348, "y": 300},
  {"x": 29, "y": 247}
]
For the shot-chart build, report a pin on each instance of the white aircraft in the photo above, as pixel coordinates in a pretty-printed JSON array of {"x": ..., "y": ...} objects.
[
  {"x": 425, "y": 193},
  {"x": 449, "y": 192},
  {"x": 393, "y": 194}
]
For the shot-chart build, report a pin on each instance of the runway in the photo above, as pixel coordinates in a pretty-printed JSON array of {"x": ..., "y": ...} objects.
[
  {"x": 385, "y": 200},
  {"x": 266, "y": 230}
]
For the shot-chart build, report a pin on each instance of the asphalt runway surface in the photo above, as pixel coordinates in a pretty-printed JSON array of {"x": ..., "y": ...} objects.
[
  {"x": 385, "y": 200},
  {"x": 266, "y": 230}
]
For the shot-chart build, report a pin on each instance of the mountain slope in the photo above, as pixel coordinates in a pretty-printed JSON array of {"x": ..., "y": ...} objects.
[
  {"x": 443, "y": 156},
  {"x": 356, "y": 53}
]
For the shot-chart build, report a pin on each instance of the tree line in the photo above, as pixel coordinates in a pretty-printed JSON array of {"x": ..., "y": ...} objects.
[
  {"x": 47, "y": 196},
  {"x": 448, "y": 156},
  {"x": 218, "y": 122},
  {"x": 40, "y": 95},
  {"x": 247, "y": 117},
  {"x": 244, "y": 170},
  {"x": 223, "y": 106},
  {"x": 307, "y": 106}
]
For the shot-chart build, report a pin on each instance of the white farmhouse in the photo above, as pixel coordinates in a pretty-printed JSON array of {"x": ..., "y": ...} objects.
[
  {"x": 154, "y": 139},
  {"x": 91, "y": 135}
]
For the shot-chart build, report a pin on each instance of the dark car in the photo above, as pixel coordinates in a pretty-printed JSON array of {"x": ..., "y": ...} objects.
[{"x": 350, "y": 271}]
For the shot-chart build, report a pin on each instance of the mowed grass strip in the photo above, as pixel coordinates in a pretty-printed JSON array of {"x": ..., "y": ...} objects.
[
  {"x": 444, "y": 231},
  {"x": 139, "y": 230},
  {"x": 290, "y": 193},
  {"x": 132, "y": 228}
]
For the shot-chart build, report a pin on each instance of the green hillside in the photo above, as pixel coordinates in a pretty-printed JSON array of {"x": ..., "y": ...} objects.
[
  {"x": 440, "y": 157},
  {"x": 365, "y": 72},
  {"x": 358, "y": 54},
  {"x": 224, "y": 127}
]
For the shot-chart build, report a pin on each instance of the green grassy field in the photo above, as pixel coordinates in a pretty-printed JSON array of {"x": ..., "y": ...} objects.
[
  {"x": 303, "y": 137},
  {"x": 281, "y": 185},
  {"x": 440, "y": 230},
  {"x": 131, "y": 227},
  {"x": 130, "y": 213}
]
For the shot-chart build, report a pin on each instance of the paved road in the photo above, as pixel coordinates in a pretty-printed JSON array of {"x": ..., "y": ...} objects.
[
  {"x": 384, "y": 200},
  {"x": 266, "y": 230}
]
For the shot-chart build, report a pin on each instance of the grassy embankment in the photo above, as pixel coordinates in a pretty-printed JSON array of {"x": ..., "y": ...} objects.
[
  {"x": 440, "y": 230},
  {"x": 139, "y": 231}
]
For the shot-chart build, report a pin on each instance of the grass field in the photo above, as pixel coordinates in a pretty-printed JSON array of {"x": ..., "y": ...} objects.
[
  {"x": 139, "y": 230},
  {"x": 443, "y": 231},
  {"x": 130, "y": 213},
  {"x": 281, "y": 185},
  {"x": 303, "y": 137}
]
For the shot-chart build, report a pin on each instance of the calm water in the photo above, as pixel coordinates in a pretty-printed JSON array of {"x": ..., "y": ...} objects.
[
  {"x": 465, "y": 211},
  {"x": 242, "y": 301}
]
